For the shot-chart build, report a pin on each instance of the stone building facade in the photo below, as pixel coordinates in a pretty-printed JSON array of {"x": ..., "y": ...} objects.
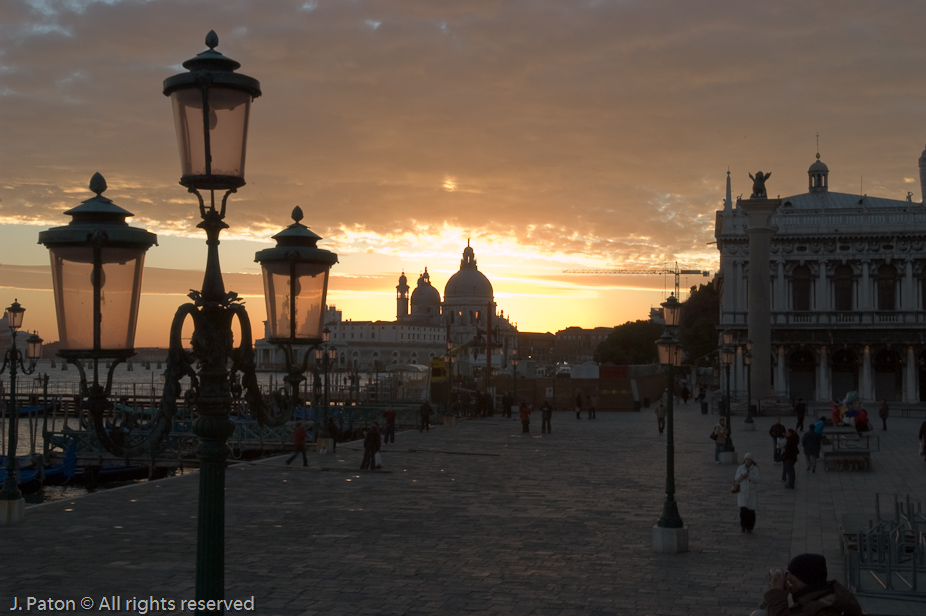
[{"x": 848, "y": 289}]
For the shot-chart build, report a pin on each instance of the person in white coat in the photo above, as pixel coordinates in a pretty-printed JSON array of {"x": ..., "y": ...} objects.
[{"x": 747, "y": 479}]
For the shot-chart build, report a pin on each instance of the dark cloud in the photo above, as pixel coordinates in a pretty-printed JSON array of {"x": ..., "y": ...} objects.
[{"x": 591, "y": 127}]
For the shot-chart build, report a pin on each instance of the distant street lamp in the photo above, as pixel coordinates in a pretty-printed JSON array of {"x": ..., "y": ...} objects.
[
  {"x": 747, "y": 359},
  {"x": 727, "y": 354},
  {"x": 12, "y": 506},
  {"x": 670, "y": 356},
  {"x": 323, "y": 354},
  {"x": 449, "y": 377},
  {"x": 514, "y": 373}
]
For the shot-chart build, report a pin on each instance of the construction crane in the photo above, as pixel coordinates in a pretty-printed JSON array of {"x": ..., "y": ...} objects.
[{"x": 640, "y": 272}]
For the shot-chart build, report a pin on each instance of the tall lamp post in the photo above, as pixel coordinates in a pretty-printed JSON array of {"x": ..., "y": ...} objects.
[
  {"x": 727, "y": 354},
  {"x": 324, "y": 354},
  {"x": 669, "y": 534},
  {"x": 449, "y": 377},
  {"x": 747, "y": 359},
  {"x": 514, "y": 373},
  {"x": 12, "y": 506},
  {"x": 211, "y": 105}
]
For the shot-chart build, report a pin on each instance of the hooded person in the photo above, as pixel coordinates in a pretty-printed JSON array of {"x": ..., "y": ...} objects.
[
  {"x": 811, "y": 593},
  {"x": 747, "y": 479}
]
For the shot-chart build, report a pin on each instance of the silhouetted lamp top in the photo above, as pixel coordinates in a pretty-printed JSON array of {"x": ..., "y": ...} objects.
[
  {"x": 296, "y": 284},
  {"x": 96, "y": 265},
  {"x": 671, "y": 309},
  {"x": 211, "y": 106},
  {"x": 670, "y": 351},
  {"x": 34, "y": 347},
  {"x": 14, "y": 315}
]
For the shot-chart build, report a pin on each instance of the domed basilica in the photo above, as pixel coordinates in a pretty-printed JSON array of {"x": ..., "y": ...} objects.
[{"x": 465, "y": 323}]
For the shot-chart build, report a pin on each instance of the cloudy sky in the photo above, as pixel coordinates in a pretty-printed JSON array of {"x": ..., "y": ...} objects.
[{"x": 552, "y": 134}]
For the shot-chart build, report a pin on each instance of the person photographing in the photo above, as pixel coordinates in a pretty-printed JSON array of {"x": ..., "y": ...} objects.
[{"x": 811, "y": 593}]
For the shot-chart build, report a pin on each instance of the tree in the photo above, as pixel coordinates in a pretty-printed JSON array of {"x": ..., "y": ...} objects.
[
  {"x": 698, "y": 324},
  {"x": 634, "y": 342}
]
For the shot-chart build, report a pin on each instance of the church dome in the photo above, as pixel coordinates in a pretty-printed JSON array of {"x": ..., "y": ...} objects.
[
  {"x": 818, "y": 175},
  {"x": 469, "y": 282},
  {"x": 818, "y": 167},
  {"x": 425, "y": 298}
]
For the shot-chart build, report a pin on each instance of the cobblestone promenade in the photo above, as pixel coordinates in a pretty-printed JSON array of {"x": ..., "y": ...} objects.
[{"x": 477, "y": 518}]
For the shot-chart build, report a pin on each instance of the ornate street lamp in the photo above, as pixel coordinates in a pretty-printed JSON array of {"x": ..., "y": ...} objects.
[
  {"x": 514, "y": 373},
  {"x": 12, "y": 506},
  {"x": 323, "y": 355},
  {"x": 211, "y": 105},
  {"x": 747, "y": 359},
  {"x": 670, "y": 356},
  {"x": 96, "y": 264},
  {"x": 295, "y": 274},
  {"x": 449, "y": 377},
  {"x": 727, "y": 355}
]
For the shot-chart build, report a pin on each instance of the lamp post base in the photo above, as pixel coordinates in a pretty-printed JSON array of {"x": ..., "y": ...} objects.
[
  {"x": 727, "y": 457},
  {"x": 12, "y": 511},
  {"x": 670, "y": 540}
]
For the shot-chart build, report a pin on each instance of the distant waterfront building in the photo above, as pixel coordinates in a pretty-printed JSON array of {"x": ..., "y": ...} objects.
[
  {"x": 848, "y": 288},
  {"x": 575, "y": 345},
  {"x": 424, "y": 324}
]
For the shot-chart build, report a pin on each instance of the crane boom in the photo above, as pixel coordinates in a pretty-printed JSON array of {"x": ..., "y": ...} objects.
[{"x": 637, "y": 272}]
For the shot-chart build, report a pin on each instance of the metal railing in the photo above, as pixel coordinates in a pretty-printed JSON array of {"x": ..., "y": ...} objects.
[{"x": 888, "y": 558}]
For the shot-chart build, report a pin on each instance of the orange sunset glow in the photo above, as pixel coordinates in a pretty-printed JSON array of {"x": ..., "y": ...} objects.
[{"x": 550, "y": 135}]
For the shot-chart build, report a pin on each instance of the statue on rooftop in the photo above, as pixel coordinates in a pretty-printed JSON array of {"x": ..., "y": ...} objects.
[{"x": 758, "y": 185}]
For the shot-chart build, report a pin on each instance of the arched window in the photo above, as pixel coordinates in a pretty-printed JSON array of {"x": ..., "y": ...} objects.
[
  {"x": 800, "y": 288},
  {"x": 842, "y": 288},
  {"x": 887, "y": 281}
]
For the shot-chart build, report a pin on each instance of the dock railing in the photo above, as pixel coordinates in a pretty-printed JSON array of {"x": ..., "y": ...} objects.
[{"x": 887, "y": 556}]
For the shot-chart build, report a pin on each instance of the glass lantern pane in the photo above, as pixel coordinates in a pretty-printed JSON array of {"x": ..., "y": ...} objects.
[
  {"x": 229, "y": 111},
  {"x": 72, "y": 274},
  {"x": 310, "y": 299},
  {"x": 276, "y": 295},
  {"x": 188, "y": 122},
  {"x": 228, "y": 130},
  {"x": 300, "y": 316}
]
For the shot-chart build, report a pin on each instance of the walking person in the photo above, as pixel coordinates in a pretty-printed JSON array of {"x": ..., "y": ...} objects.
[
  {"x": 883, "y": 412},
  {"x": 546, "y": 414},
  {"x": 811, "y": 442},
  {"x": 590, "y": 402},
  {"x": 661, "y": 417},
  {"x": 335, "y": 433},
  {"x": 525, "y": 414},
  {"x": 747, "y": 479},
  {"x": 579, "y": 406},
  {"x": 789, "y": 458},
  {"x": 721, "y": 433},
  {"x": 800, "y": 409},
  {"x": 371, "y": 446},
  {"x": 389, "y": 417},
  {"x": 425, "y": 413},
  {"x": 299, "y": 436},
  {"x": 777, "y": 431}
]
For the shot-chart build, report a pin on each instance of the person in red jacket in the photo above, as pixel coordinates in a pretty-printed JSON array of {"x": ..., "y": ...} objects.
[
  {"x": 525, "y": 414},
  {"x": 299, "y": 436}
]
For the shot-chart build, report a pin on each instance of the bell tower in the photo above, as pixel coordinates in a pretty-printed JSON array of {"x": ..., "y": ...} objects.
[{"x": 401, "y": 298}]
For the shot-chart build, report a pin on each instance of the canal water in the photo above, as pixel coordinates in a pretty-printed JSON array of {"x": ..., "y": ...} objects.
[{"x": 64, "y": 380}]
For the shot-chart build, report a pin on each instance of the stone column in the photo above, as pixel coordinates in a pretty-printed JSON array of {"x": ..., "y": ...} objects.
[
  {"x": 910, "y": 382},
  {"x": 823, "y": 372},
  {"x": 864, "y": 292},
  {"x": 781, "y": 376},
  {"x": 867, "y": 391},
  {"x": 759, "y": 231}
]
